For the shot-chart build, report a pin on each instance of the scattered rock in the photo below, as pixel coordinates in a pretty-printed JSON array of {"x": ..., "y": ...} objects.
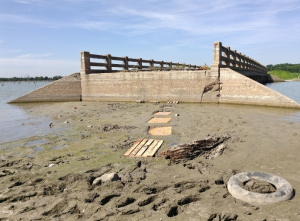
[
  {"x": 108, "y": 177},
  {"x": 66, "y": 122},
  {"x": 140, "y": 101},
  {"x": 216, "y": 152},
  {"x": 176, "y": 115},
  {"x": 51, "y": 165}
]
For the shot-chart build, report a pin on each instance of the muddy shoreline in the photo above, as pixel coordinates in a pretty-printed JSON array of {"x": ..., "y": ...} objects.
[{"x": 98, "y": 134}]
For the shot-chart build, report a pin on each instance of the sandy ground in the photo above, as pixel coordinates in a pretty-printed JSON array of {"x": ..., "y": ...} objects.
[{"x": 262, "y": 139}]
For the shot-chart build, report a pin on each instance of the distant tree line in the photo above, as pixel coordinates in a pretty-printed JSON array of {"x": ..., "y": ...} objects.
[
  {"x": 293, "y": 68},
  {"x": 41, "y": 78}
]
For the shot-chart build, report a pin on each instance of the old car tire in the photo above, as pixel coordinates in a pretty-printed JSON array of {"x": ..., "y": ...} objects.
[{"x": 284, "y": 190}]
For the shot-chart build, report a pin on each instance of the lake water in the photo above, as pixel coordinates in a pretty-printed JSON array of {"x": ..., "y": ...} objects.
[{"x": 16, "y": 123}]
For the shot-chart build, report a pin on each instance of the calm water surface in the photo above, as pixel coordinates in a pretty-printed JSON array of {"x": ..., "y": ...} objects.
[{"x": 16, "y": 123}]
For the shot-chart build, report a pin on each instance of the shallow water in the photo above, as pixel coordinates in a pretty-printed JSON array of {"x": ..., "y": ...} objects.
[{"x": 15, "y": 122}]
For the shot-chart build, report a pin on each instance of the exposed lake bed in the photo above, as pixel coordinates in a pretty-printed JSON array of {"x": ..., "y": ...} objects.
[{"x": 57, "y": 182}]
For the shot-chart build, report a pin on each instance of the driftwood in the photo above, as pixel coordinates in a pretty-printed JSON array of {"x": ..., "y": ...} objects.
[{"x": 189, "y": 151}]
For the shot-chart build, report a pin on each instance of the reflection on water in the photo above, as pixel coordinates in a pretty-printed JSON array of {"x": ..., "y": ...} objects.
[
  {"x": 290, "y": 89},
  {"x": 15, "y": 123}
]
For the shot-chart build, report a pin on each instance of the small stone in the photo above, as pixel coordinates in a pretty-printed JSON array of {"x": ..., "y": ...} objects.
[
  {"x": 66, "y": 122},
  {"x": 90, "y": 126},
  {"x": 140, "y": 101},
  {"x": 50, "y": 125},
  {"x": 51, "y": 165},
  {"x": 176, "y": 115},
  {"x": 59, "y": 116},
  {"x": 108, "y": 177}
]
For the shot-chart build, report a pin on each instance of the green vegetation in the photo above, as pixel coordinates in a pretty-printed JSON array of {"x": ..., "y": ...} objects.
[
  {"x": 41, "y": 78},
  {"x": 285, "y": 71}
]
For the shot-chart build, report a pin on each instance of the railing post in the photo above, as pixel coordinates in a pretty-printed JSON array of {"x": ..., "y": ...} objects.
[
  {"x": 228, "y": 57},
  {"x": 125, "y": 63},
  {"x": 108, "y": 62},
  {"x": 240, "y": 60},
  {"x": 161, "y": 65},
  {"x": 170, "y": 65},
  {"x": 85, "y": 62},
  {"x": 151, "y": 64},
  {"x": 244, "y": 61},
  {"x": 140, "y": 64},
  {"x": 234, "y": 58}
]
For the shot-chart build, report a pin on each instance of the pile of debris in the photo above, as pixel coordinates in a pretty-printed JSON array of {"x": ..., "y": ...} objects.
[
  {"x": 188, "y": 151},
  {"x": 110, "y": 127}
]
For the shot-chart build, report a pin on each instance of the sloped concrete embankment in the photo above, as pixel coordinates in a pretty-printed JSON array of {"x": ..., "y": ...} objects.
[
  {"x": 65, "y": 89},
  {"x": 238, "y": 89}
]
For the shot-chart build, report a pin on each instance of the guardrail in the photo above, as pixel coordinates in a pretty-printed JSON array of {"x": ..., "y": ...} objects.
[
  {"x": 225, "y": 57},
  {"x": 108, "y": 66}
]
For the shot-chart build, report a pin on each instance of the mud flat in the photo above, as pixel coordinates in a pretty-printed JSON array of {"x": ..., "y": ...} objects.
[{"x": 51, "y": 177}]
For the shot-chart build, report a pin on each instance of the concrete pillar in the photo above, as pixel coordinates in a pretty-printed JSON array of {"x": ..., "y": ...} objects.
[
  {"x": 228, "y": 57},
  {"x": 161, "y": 65},
  {"x": 85, "y": 62},
  {"x": 151, "y": 64},
  {"x": 140, "y": 63},
  {"x": 234, "y": 58},
  {"x": 108, "y": 62},
  {"x": 217, "y": 54},
  {"x": 125, "y": 63}
]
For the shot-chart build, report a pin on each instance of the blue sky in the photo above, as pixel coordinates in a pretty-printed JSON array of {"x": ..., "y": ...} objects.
[{"x": 45, "y": 37}]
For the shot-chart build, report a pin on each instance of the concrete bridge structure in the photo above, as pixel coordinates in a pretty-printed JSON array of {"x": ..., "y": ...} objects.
[{"x": 232, "y": 78}]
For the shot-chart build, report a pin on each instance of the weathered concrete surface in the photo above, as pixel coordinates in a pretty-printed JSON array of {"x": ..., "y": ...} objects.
[
  {"x": 187, "y": 86},
  {"x": 273, "y": 78},
  {"x": 65, "y": 89},
  {"x": 183, "y": 86},
  {"x": 239, "y": 89}
]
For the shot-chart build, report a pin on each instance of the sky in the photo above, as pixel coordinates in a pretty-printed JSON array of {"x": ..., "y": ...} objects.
[{"x": 45, "y": 37}]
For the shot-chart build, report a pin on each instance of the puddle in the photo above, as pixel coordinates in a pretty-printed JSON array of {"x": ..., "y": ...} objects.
[
  {"x": 2, "y": 148},
  {"x": 160, "y": 131},
  {"x": 30, "y": 155},
  {"x": 58, "y": 147},
  {"x": 34, "y": 142},
  {"x": 174, "y": 144},
  {"x": 156, "y": 120},
  {"x": 38, "y": 149}
]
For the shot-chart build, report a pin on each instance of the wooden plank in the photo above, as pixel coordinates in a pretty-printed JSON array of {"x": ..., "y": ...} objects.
[
  {"x": 154, "y": 143},
  {"x": 154, "y": 150},
  {"x": 132, "y": 148},
  {"x": 136, "y": 150},
  {"x": 144, "y": 148}
]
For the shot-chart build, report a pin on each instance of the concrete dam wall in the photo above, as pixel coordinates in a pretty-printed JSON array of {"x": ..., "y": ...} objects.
[{"x": 233, "y": 78}]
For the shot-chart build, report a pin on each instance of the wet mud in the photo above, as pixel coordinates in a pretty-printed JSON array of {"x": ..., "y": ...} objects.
[{"x": 58, "y": 184}]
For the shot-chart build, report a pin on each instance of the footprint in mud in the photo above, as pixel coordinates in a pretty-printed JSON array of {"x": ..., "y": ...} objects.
[
  {"x": 176, "y": 208},
  {"x": 124, "y": 201},
  {"x": 147, "y": 200},
  {"x": 107, "y": 198}
]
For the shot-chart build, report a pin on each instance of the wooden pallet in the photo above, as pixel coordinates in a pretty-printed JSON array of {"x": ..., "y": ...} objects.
[
  {"x": 144, "y": 148},
  {"x": 159, "y": 120}
]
